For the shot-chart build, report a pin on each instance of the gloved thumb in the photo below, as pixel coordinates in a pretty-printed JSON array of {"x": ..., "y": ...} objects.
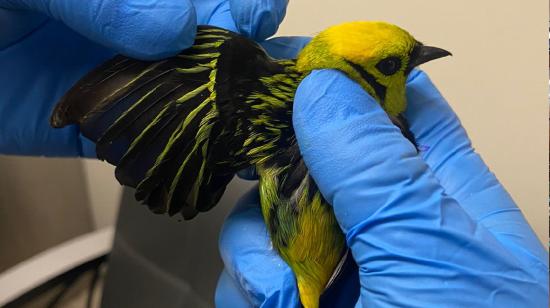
[
  {"x": 141, "y": 29},
  {"x": 258, "y": 19},
  {"x": 398, "y": 219},
  {"x": 349, "y": 144}
]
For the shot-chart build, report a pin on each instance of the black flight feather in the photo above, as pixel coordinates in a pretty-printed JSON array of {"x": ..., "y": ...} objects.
[{"x": 178, "y": 129}]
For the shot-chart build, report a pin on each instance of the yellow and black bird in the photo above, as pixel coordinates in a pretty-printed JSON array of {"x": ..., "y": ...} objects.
[{"x": 179, "y": 129}]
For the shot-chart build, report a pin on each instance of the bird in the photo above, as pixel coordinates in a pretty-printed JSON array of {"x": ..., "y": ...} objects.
[{"x": 180, "y": 128}]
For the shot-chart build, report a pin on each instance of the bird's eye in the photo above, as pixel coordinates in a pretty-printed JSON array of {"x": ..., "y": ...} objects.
[{"x": 389, "y": 66}]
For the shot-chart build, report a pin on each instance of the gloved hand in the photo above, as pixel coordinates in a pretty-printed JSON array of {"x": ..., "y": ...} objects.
[
  {"x": 428, "y": 229},
  {"x": 46, "y": 46}
]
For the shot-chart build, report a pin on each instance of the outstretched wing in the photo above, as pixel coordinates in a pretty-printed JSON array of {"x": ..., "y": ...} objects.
[{"x": 159, "y": 123}]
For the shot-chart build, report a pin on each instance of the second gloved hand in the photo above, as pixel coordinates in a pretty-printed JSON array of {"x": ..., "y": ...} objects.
[{"x": 424, "y": 228}]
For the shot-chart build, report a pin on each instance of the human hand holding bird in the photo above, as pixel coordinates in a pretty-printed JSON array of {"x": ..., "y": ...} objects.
[{"x": 428, "y": 229}]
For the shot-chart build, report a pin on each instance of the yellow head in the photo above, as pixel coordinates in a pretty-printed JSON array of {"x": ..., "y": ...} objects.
[{"x": 377, "y": 55}]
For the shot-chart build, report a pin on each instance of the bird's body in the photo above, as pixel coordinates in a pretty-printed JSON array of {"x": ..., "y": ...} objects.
[{"x": 180, "y": 128}]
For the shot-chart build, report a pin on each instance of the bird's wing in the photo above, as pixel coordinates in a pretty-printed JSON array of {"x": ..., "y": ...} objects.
[{"x": 160, "y": 124}]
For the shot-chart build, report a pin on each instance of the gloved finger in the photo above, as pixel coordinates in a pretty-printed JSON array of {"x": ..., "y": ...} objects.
[
  {"x": 285, "y": 47},
  {"x": 258, "y": 19},
  {"x": 334, "y": 130},
  {"x": 414, "y": 244},
  {"x": 443, "y": 141},
  {"x": 229, "y": 294},
  {"x": 250, "y": 259},
  {"x": 215, "y": 13},
  {"x": 17, "y": 24},
  {"x": 137, "y": 28},
  {"x": 447, "y": 149}
]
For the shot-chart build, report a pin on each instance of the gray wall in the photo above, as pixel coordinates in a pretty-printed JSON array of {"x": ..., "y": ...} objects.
[{"x": 43, "y": 202}]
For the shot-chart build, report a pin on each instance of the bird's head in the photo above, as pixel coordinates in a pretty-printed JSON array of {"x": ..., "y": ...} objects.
[{"x": 377, "y": 55}]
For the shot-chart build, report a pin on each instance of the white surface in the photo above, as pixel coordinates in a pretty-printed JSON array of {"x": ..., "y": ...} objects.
[{"x": 37, "y": 270}]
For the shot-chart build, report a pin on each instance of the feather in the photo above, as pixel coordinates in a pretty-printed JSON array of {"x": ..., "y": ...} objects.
[
  {"x": 153, "y": 121},
  {"x": 178, "y": 129}
]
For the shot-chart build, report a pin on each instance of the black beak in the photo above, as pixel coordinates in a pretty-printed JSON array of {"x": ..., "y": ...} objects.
[{"x": 422, "y": 54}]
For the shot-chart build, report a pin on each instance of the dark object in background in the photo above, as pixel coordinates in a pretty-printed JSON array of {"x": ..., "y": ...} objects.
[{"x": 158, "y": 261}]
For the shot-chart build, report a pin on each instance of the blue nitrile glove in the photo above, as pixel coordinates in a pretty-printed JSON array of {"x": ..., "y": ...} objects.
[
  {"x": 46, "y": 46},
  {"x": 434, "y": 229}
]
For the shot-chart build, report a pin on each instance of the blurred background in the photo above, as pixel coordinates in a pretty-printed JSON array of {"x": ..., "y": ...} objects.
[{"x": 496, "y": 82}]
